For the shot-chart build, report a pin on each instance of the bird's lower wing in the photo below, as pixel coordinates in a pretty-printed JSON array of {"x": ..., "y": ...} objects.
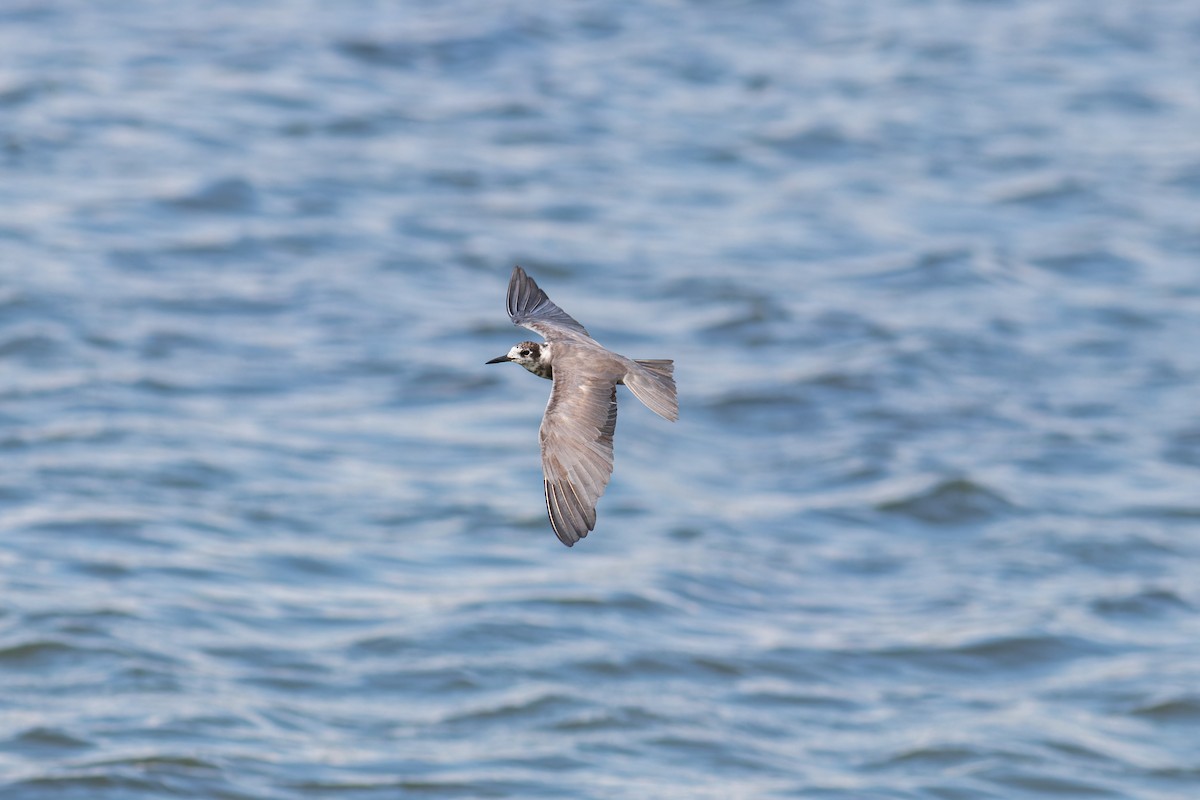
[{"x": 577, "y": 451}]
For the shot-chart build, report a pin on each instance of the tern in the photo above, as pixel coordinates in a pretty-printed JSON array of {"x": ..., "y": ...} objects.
[{"x": 581, "y": 417}]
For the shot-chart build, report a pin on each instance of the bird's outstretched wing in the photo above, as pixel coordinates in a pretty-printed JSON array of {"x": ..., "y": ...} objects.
[
  {"x": 530, "y": 308},
  {"x": 577, "y": 449}
]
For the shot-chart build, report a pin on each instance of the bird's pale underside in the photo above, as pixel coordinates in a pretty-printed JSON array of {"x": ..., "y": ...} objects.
[{"x": 581, "y": 417}]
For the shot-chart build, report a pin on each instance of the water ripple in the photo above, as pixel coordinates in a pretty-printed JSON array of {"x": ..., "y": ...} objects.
[{"x": 269, "y": 528}]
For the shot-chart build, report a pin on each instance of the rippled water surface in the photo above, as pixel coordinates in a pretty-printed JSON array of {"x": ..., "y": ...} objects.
[{"x": 928, "y": 526}]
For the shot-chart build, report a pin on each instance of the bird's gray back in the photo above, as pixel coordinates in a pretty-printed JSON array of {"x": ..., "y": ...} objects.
[{"x": 589, "y": 358}]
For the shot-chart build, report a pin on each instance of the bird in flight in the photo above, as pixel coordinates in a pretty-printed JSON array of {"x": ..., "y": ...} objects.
[{"x": 577, "y": 428}]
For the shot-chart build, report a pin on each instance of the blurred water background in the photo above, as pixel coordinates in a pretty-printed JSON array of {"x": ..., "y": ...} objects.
[{"x": 927, "y": 528}]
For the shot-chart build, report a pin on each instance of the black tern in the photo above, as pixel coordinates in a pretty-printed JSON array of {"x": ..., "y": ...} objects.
[{"x": 581, "y": 417}]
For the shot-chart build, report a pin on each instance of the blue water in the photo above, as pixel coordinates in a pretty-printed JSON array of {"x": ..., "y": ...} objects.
[{"x": 929, "y": 526}]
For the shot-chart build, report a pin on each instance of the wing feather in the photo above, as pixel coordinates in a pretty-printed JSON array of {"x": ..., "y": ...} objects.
[
  {"x": 529, "y": 307},
  {"x": 577, "y": 448}
]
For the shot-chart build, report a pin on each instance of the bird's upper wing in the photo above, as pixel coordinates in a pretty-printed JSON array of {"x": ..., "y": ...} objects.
[
  {"x": 530, "y": 308},
  {"x": 577, "y": 447}
]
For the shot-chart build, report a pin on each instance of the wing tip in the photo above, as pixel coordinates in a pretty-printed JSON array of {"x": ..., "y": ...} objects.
[
  {"x": 523, "y": 292},
  {"x": 560, "y": 523}
]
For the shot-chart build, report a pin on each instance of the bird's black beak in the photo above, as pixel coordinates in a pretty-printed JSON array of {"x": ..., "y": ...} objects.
[{"x": 499, "y": 360}]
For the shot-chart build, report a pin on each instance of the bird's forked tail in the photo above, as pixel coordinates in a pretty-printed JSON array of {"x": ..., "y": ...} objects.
[{"x": 653, "y": 385}]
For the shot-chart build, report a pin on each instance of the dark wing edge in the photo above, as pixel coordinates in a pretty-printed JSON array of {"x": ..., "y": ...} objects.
[
  {"x": 529, "y": 307},
  {"x": 577, "y": 456}
]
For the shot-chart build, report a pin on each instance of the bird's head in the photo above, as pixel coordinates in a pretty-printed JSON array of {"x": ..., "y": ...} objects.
[{"x": 530, "y": 355}]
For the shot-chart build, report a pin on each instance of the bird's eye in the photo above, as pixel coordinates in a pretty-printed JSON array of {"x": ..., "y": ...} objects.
[{"x": 524, "y": 352}]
